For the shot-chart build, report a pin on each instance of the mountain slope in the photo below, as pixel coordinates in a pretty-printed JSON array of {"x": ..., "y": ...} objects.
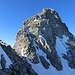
[
  {"x": 15, "y": 65},
  {"x": 46, "y": 43}
]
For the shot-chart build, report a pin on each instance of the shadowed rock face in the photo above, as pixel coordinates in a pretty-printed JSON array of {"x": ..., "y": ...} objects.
[
  {"x": 39, "y": 32},
  {"x": 18, "y": 66}
]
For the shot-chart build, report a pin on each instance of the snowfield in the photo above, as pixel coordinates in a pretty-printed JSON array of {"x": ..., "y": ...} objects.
[{"x": 61, "y": 48}]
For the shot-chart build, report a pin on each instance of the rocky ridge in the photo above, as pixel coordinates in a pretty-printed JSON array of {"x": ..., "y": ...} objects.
[{"x": 18, "y": 66}]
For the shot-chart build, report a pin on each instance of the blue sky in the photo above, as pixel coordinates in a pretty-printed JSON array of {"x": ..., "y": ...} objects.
[{"x": 14, "y": 12}]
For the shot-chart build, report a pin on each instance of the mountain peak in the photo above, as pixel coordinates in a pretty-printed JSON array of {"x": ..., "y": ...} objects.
[
  {"x": 50, "y": 12},
  {"x": 45, "y": 42},
  {"x": 39, "y": 34},
  {"x": 46, "y": 14}
]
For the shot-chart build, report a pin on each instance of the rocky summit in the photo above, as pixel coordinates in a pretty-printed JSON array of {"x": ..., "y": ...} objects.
[
  {"x": 44, "y": 45},
  {"x": 37, "y": 40}
]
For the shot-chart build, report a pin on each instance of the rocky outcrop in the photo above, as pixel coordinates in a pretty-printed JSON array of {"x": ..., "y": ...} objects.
[{"x": 19, "y": 66}]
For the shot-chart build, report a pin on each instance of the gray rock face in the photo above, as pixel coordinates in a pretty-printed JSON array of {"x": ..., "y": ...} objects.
[{"x": 42, "y": 30}]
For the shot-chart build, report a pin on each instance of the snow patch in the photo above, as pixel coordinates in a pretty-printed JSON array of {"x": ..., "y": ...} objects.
[
  {"x": 39, "y": 52},
  {"x": 22, "y": 53},
  {"x": 28, "y": 34},
  {"x": 60, "y": 48},
  {"x": 42, "y": 37},
  {"x": 43, "y": 19},
  {"x": 64, "y": 41},
  {"x": 57, "y": 25}
]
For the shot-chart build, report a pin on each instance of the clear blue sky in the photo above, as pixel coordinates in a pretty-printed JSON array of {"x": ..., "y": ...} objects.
[{"x": 14, "y": 12}]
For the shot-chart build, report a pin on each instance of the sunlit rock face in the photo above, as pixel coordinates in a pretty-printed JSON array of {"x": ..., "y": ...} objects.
[{"x": 42, "y": 37}]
